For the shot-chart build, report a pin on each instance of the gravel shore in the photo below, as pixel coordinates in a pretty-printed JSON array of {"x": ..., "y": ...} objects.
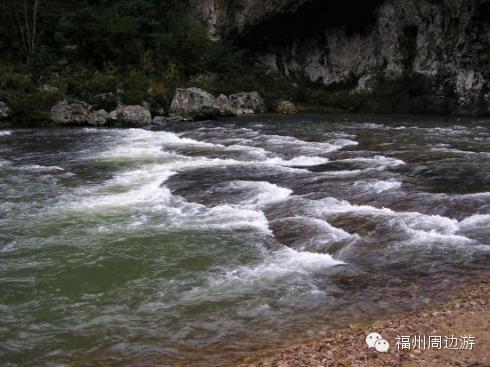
[{"x": 466, "y": 315}]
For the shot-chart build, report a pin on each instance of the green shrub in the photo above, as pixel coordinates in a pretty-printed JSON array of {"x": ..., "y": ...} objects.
[{"x": 32, "y": 108}]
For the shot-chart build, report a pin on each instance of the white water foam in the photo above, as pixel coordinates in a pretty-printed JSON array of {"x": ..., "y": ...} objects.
[
  {"x": 478, "y": 195},
  {"x": 378, "y": 186},
  {"x": 260, "y": 193},
  {"x": 292, "y": 144},
  {"x": 323, "y": 232},
  {"x": 458, "y": 151},
  {"x": 142, "y": 191},
  {"x": 256, "y": 153},
  {"x": 419, "y": 228},
  {"x": 39, "y": 168},
  {"x": 225, "y": 217},
  {"x": 477, "y": 227},
  {"x": 286, "y": 270},
  {"x": 5, "y": 133},
  {"x": 9, "y": 247},
  {"x": 139, "y": 144},
  {"x": 478, "y": 221},
  {"x": 345, "y": 173},
  {"x": 301, "y": 161},
  {"x": 130, "y": 189},
  {"x": 379, "y": 160},
  {"x": 277, "y": 267},
  {"x": 366, "y": 125}
]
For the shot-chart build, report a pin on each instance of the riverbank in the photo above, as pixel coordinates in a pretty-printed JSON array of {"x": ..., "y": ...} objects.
[{"x": 467, "y": 314}]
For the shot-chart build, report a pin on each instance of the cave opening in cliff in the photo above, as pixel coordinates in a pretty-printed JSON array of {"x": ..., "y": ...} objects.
[{"x": 311, "y": 19}]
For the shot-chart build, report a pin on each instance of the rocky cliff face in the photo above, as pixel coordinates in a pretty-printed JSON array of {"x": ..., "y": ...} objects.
[
  {"x": 392, "y": 55},
  {"x": 226, "y": 18}
]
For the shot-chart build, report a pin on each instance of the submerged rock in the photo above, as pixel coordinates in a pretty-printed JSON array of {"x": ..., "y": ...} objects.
[
  {"x": 247, "y": 103},
  {"x": 287, "y": 108},
  {"x": 194, "y": 104},
  {"x": 159, "y": 121},
  {"x": 133, "y": 115},
  {"x": 77, "y": 112},
  {"x": 4, "y": 111}
]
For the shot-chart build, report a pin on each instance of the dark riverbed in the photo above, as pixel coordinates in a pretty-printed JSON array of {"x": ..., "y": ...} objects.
[{"x": 207, "y": 241}]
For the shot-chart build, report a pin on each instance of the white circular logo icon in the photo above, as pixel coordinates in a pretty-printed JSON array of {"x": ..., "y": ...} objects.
[
  {"x": 382, "y": 346},
  {"x": 376, "y": 341},
  {"x": 372, "y": 338}
]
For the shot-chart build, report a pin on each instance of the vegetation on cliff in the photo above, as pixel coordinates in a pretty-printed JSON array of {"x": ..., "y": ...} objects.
[{"x": 105, "y": 52}]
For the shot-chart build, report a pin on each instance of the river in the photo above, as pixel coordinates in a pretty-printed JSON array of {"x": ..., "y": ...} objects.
[{"x": 200, "y": 243}]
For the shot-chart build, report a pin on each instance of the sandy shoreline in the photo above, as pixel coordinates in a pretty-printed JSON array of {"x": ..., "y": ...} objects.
[{"x": 465, "y": 315}]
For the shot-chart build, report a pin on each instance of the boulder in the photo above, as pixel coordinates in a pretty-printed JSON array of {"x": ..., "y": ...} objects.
[
  {"x": 99, "y": 117},
  {"x": 159, "y": 121},
  {"x": 225, "y": 106},
  {"x": 4, "y": 111},
  {"x": 247, "y": 103},
  {"x": 77, "y": 112},
  {"x": 286, "y": 107},
  {"x": 133, "y": 115},
  {"x": 194, "y": 104}
]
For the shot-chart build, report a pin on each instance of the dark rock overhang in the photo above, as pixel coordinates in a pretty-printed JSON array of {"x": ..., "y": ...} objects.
[{"x": 304, "y": 19}]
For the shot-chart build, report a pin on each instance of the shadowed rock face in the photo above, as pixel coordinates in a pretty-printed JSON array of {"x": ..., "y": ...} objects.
[
  {"x": 436, "y": 52},
  {"x": 228, "y": 18}
]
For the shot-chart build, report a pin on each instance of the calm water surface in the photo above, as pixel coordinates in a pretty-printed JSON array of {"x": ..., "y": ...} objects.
[{"x": 202, "y": 242}]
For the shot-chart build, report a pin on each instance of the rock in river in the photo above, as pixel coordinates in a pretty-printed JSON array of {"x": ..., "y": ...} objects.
[
  {"x": 77, "y": 112},
  {"x": 247, "y": 103},
  {"x": 133, "y": 115},
  {"x": 194, "y": 104},
  {"x": 197, "y": 104}
]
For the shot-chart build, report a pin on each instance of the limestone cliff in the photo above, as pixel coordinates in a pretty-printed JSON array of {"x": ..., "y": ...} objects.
[
  {"x": 226, "y": 18},
  {"x": 392, "y": 55}
]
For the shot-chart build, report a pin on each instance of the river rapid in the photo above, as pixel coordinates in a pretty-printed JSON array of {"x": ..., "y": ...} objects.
[{"x": 203, "y": 242}]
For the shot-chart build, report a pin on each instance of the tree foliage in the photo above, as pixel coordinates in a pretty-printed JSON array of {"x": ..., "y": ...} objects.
[
  {"x": 143, "y": 33},
  {"x": 106, "y": 51}
]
